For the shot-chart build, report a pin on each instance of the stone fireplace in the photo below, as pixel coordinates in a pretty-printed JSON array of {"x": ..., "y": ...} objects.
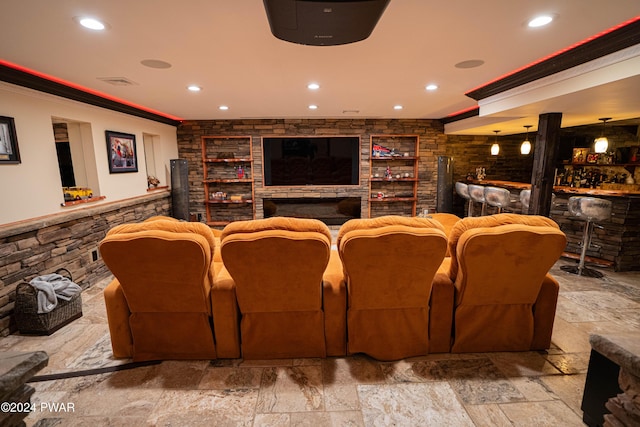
[{"x": 331, "y": 211}]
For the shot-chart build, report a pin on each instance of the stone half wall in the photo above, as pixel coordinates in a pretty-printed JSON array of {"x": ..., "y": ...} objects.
[
  {"x": 432, "y": 145},
  {"x": 70, "y": 240}
]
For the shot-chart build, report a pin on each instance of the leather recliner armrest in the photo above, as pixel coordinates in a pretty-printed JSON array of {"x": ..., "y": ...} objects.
[
  {"x": 334, "y": 293},
  {"x": 544, "y": 312},
  {"x": 226, "y": 316},
  {"x": 118, "y": 318}
]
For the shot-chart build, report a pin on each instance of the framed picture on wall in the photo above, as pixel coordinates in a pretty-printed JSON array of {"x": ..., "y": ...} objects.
[
  {"x": 9, "y": 153},
  {"x": 121, "y": 149},
  {"x": 580, "y": 155}
]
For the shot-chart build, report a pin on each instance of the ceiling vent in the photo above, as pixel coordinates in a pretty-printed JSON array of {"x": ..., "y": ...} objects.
[
  {"x": 118, "y": 81},
  {"x": 323, "y": 23}
]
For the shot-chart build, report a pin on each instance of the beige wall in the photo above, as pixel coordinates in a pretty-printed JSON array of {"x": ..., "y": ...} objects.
[{"x": 33, "y": 187}]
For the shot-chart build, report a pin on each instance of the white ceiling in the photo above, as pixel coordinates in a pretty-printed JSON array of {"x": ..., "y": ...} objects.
[{"x": 227, "y": 48}]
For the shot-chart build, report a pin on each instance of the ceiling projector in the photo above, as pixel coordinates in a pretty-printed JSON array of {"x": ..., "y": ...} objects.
[{"x": 323, "y": 23}]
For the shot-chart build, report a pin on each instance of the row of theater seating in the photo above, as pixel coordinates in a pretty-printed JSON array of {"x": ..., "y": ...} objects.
[{"x": 391, "y": 287}]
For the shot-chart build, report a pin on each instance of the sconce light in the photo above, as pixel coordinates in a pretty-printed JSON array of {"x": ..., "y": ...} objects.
[
  {"x": 602, "y": 143},
  {"x": 495, "y": 148},
  {"x": 525, "y": 148}
]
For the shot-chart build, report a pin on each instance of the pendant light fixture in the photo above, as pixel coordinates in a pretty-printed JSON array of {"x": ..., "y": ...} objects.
[
  {"x": 495, "y": 148},
  {"x": 602, "y": 143},
  {"x": 525, "y": 148}
]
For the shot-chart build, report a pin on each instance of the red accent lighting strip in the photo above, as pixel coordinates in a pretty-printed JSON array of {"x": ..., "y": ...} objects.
[
  {"x": 87, "y": 90},
  {"x": 466, "y": 110},
  {"x": 546, "y": 58}
]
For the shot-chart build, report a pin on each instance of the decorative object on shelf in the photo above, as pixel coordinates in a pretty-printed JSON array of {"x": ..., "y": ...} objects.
[
  {"x": 9, "y": 153},
  {"x": 525, "y": 147},
  {"x": 380, "y": 151},
  {"x": 593, "y": 157},
  {"x": 495, "y": 148},
  {"x": 579, "y": 155},
  {"x": 481, "y": 173},
  {"x": 240, "y": 172},
  {"x": 152, "y": 181},
  {"x": 121, "y": 149},
  {"x": 601, "y": 144},
  {"x": 76, "y": 193}
]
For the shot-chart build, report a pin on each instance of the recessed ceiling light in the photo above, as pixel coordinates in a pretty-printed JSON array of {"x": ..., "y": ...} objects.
[
  {"x": 194, "y": 88},
  {"x": 313, "y": 86},
  {"x": 397, "y": 107},
  {"x": 540, "y": 21},
  {"x": 471, "y": 63},
  {"x": 313, "y": 107},
  {"x": 155, "y": 63},
  {"x": 90, "y": 23},
  {"x": 223, "y": 107},
  {"x": 431, "y": 87}
]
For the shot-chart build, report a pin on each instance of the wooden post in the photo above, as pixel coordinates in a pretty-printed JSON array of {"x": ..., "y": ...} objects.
[{"x": 545, "y": 156}]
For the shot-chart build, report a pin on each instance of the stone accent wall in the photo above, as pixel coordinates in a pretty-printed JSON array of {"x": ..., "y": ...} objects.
[
  {"x": 60, "y": 132},
  {"x": 70, "y": 240},
  {"x": 432, "y": 145}
]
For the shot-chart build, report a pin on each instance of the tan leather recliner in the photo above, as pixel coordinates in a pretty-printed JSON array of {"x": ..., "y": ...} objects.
[
  {"x": 505, "y": 298},
  {"x": 395, "y": 307},
  {"x": 159, "y": 306},
  {"x": 276, "y": 267}
]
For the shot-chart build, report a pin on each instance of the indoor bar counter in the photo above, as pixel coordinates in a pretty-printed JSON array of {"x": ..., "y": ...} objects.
[{"x": 616, "y": 243}]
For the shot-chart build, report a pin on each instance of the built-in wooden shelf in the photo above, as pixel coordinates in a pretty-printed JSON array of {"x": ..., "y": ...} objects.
[
  {"x": 210, "y": 181},
  {"x": 394, "y": 180},
  {"x": 227, "y": 201},
  {"x": 222, "y": 158},
  {"x": 408, "y": 145},
  {"x": 393, "y": 199},
  {"x": 160, "y": 187},
  {"x": 82, "y": 201},
  {"x": 241, "y": 160}
]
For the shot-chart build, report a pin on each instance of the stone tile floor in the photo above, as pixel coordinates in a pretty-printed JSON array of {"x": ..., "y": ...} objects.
[{"x": 488, "y": 389}]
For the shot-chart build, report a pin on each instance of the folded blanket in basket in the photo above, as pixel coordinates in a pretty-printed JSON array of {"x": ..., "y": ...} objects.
[{"x": 50, "y": 287}]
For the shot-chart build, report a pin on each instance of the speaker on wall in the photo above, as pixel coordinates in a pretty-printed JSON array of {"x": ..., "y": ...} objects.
[
  {"x": 445, "y": 184},
  {"x": 179, "y": 189}
]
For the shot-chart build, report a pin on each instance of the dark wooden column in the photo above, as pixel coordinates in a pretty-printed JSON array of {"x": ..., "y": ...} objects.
[{"x": 545, "y": 156}]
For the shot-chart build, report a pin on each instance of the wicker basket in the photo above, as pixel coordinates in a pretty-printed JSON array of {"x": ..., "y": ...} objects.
[{"x": 29, "y": 321}]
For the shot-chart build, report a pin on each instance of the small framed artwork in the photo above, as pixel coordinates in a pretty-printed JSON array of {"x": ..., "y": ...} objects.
[
  {"x": 9, "y": 153},
  {"x": 593, "y": 157},
  {"x": 121, "y": 149},
  {"x": 579, "y": 155}
]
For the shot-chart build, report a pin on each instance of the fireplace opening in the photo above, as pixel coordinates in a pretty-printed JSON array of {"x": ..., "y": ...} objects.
[{"x": 331, "y": 211}]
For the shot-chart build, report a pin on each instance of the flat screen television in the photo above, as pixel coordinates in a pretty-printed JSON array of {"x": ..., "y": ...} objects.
[{"x": 325, "y": 160}]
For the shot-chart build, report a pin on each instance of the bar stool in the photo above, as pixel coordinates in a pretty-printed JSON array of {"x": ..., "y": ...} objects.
[
  {"x": 589, "y": 209},
  {"x": 476, "y": 192},
  {"x": 463, "y": 191},
  {"x": 525, "y": 196},
  {"x": 497, "y": 197}
]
